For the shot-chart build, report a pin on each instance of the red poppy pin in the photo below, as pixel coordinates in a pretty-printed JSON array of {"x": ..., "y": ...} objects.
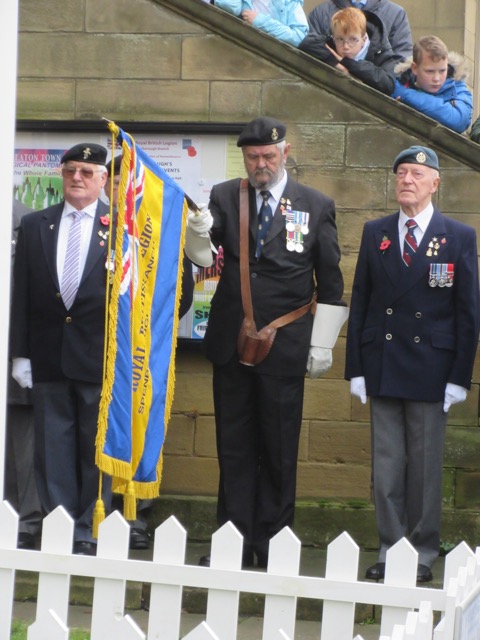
[
  {"x": 385, "y": 243},
  {"x": 105, "y": 220}
]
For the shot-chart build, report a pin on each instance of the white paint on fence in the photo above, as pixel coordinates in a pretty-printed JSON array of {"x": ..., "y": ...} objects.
[{"x": 407, "y": 610}]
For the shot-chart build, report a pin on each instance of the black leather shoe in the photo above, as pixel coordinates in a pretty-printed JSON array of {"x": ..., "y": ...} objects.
[
  {"x": 424, "y": 573},
  {"x": 83, "y": 548},
  {"x": 25, "y": 540},
  {"x": 139, "y": 539},
  {"x": 376, "y": 571}
]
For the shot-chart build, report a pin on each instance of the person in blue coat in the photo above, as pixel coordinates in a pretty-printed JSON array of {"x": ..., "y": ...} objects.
[
  {"x": 433, "y": 82},
  {"x": 411, "y": 343},
  {"x": 282, "y": 19}
]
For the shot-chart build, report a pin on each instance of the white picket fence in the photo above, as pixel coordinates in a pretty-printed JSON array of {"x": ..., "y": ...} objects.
[{"x": 407, "y": 610}]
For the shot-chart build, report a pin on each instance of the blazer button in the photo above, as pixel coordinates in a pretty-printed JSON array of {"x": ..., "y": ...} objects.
[
  {"x": 416, "y": 339},
  {"x": 254, "y": 275},
  {"x": 418, "y": 314},
  {"x": 389, "y": 312},
  {"x": 58, "y": 294},
  {"x": 388, "y": 336},
  {"x": 68, "y": 319}
]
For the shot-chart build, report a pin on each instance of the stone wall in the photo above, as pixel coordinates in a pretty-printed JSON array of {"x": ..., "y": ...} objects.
[{"x": 184, "y": 61}]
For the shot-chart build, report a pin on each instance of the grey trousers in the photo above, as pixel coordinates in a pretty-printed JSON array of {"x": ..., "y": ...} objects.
[{"x": 407, "y": 457}]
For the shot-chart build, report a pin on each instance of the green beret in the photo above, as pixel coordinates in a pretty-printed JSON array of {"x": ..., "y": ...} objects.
[
  {"x": 86, "y": 152},
  {"x": 417, "y": 155},
  {"x": 262, "y": 131}
]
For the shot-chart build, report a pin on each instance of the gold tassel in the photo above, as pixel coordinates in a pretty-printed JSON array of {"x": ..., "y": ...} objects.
[
  {"x": 130, "y": 503},
  {"x": 98, "y": 517}
]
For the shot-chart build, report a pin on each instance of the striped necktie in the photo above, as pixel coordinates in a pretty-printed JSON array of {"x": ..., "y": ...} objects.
[
  {"x": 410, "y": 243},
  {"x": 71, "y": 266},
  {"x": 265, "y": 216}
]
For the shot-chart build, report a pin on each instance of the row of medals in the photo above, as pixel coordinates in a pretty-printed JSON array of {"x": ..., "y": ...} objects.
[
  {"x": 296, "y": 226},
  {"x": 441, "y": 275}
]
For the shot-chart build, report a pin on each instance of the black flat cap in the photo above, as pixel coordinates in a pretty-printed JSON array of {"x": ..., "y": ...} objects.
[
  {"x": 262, "y": 131},
  {"x": 417, "y": 155},
  {"x": 117, "y": 161},
  {"x": 86, "y": 152}
]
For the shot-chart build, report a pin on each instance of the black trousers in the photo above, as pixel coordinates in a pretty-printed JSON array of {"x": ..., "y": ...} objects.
[{"x": 258, "y": 420}]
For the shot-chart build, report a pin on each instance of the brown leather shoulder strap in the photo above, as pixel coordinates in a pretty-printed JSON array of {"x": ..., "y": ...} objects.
[
  {"x": 244, "y": 257},
  {"x": 245, "y": 270}
]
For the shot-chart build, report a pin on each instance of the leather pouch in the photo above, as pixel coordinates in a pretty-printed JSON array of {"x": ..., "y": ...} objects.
[{"x": 253, "y": 346}]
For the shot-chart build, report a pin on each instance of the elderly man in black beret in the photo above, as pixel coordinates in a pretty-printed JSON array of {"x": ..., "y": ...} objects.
[
  {"x": 412, "y": 338},
  {"x": 58, "y": 336},
  {"x": 290, "y": 263}
]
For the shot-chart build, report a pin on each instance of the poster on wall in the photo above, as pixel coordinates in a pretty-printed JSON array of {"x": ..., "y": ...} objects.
[{"x": 196, "y": 162}]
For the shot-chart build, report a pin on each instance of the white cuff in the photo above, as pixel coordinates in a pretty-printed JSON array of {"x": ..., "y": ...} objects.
[
  {"x": 198, "y": 248},
  {"x": 328, "y": 321}
]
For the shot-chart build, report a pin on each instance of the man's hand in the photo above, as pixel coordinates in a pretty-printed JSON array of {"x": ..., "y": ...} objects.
[
  {"x": 200, "y": 223},
  {"x": 22, "y": 372},
  {"x": 453, "y": 394},
  {"x": 359, "y": 389},
  {"x": 319, "y": 361}
]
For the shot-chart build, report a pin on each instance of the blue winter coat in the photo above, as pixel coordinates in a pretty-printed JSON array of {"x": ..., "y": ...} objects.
[
  {"x": 452, "y": 106},
  {"x": 288, "y": 24}
]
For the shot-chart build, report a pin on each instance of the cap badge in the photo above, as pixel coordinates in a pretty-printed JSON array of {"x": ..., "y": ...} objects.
[
  {"x": 274, "y": 133},
  {"x": 87, "y": 152},
  {"x": 421, "y": 157}
]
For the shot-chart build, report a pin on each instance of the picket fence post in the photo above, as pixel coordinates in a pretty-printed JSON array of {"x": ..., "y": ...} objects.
[
  {"x": 400, "y": 570},
  {"x": 53, "y": 588},
  {"x": 108, "y": 619},
  {"x": 8, "y": 540},
  {"x": 165, "y": 609},
  {"x": 342, "y": 564},
  {"x": 284, "y": 560}
]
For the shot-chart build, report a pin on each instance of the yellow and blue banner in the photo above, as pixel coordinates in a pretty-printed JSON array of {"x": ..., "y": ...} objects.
[{"x": 146, "y": 249}]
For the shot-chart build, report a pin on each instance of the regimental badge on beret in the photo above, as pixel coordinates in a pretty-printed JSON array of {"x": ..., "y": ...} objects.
[
  {"x": 90, "y": 152},
  {"x": 421, "y": 157},
  {"x": 417, "y": 155},
  {"x": 262, "y": 131}
]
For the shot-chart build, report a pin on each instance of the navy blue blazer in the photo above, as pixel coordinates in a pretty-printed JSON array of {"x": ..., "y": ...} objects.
[
  {"x": 406, "y": 337},
  {"x": 60, "y": 344}
]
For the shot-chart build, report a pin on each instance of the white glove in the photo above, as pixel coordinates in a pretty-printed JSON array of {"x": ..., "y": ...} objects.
[
  {"x": 200, "y": 223},
  {"x": 359, "y": 389},
  {"x": 319, "y": 361},
  {"x": 22, "y": 372},
  {"x": 453, "y": 394}
]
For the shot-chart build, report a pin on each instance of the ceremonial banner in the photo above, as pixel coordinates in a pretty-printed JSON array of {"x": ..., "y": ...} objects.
[{"x": 146, "y": 241}]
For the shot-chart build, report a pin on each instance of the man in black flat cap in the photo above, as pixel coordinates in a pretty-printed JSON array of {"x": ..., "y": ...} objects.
[
  {"x": 293, "y": 258},
  {"x": 57, "y": 338},
  {"x": 411, "y": 343}
]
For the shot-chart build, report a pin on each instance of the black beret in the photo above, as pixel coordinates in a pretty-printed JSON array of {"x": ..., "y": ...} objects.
[
  {"x": 262, "y": 131},
  {"x": 117, "y": 161},
  {"x": 417, "y": 155},
  {"x": 86, "y": 152}
]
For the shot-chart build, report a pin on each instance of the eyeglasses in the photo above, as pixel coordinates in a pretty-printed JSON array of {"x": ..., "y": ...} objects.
[
  {"x": 85, "y": 172},
  {"x": 350, "y": 41}
]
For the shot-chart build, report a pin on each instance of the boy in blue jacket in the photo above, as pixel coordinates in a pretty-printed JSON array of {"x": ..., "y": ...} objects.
[
  {"x": 434, "y": 83},
  {"x": 282, "y": 19}
]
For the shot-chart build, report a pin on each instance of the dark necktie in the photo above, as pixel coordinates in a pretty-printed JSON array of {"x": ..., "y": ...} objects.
[
  {"x": 410, "y": 243},
  {"x": 357, "y": 5},
  {"x": 265, "y": 216}
]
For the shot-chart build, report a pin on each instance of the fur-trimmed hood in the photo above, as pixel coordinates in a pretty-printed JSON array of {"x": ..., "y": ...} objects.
[{"x": 457, "y": 66}]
